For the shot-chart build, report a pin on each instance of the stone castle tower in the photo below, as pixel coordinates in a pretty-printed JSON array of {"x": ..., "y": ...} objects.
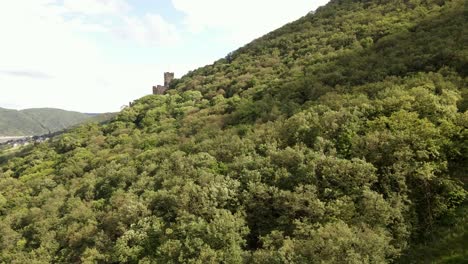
[
  {"x": 160, "y": 89},
  {"x": 168, "y": 77}
]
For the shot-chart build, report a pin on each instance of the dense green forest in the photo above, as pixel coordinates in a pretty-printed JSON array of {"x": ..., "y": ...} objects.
[
  {"x": 37, "y": 121},
  {"x": 339, "y": 138}
]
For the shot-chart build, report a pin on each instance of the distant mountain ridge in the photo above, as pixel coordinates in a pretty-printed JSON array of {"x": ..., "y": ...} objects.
[{"x": 38, "y": 121}]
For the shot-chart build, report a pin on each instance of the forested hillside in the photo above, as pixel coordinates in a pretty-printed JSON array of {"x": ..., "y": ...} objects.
[
  {"x": 37, "y": 121},
  {"x": 339, "y": 138}
]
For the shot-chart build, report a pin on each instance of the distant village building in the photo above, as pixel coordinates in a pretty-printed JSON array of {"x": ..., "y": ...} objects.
[
  {"x": 160, "y": 89},
  {"x": 16, "y": 142}
]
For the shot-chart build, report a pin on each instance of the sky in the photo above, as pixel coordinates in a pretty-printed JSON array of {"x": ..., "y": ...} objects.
[{"x": 96, "y": 56}]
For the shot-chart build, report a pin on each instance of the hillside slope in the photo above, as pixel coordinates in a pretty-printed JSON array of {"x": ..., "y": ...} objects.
[
  {"x": 13, "y": 122},
  {"x": 37, "y": 121},
  {"x": 339, "y": 138}
]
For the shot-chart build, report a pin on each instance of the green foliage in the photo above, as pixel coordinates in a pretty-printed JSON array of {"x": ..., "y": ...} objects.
[{"x": 339, "y": 138}]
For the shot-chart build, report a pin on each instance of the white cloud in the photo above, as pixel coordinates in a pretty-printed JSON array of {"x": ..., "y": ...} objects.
[
  {"x": 80, "y": 24},
  {"x": 151, "y": 29},
  {"x": 44, "y": 62},
  {"x": 35, "y": 37},
  {"x": 96, "y": 7},
  {"x": 242, "y": 20}
]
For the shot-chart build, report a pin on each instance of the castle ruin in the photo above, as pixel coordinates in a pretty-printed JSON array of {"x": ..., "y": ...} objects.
[{"x": 160, "y": 89}]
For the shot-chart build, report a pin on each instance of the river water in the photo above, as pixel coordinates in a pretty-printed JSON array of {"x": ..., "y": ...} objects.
[{"x": 5, "y": 139}]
